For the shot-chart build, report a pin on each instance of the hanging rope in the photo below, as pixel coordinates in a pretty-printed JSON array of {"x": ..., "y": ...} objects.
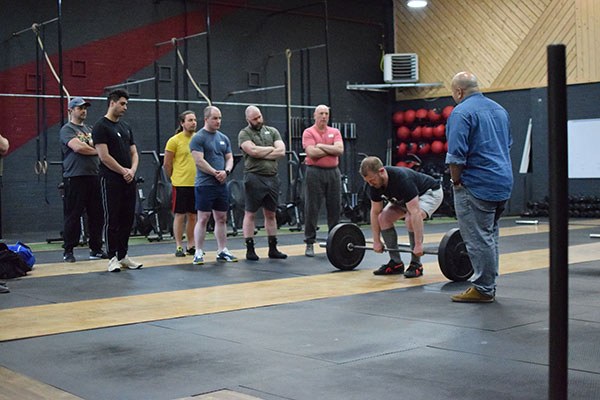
[
  {"x": 187, "y": 71},
  {"x": 35, "y": 28}
]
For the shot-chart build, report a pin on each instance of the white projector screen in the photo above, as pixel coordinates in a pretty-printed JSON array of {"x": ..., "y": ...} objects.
[{"x": 584, "y": 148}]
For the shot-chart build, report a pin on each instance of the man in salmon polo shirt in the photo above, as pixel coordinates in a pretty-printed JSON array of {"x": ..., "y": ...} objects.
[{"x": 323, "y": 146}]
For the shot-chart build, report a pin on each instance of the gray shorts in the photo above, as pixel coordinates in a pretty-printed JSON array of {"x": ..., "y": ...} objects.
[
  {"x": 261, "y": 191},
  {"x": 430, "y": 201}
]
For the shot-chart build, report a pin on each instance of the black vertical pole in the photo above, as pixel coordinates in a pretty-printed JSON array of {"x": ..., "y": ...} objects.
[
  {"x": 157, "y": 105},
  {"x": 60, "y": 63},
  {"x": 176, "y": 80},
  {"x": 327, "y": 56},
  {"x": 559, "y": 219},
  {"x": 209, "y": 91}
]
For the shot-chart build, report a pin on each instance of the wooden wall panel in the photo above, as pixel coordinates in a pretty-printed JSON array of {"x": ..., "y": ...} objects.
[{"x": 503, "y": 43}]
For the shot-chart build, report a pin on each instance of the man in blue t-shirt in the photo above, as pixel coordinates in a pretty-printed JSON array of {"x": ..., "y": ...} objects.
[
  {"x": 211, "y": 150},
  {"x": 479, "y": 142}
]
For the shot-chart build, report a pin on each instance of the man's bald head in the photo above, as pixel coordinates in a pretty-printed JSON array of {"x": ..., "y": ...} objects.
[{"x": 463, "y": 84}]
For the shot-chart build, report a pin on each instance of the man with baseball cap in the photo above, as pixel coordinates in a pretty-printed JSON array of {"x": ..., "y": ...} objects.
[{"x": 81, "y": 183}]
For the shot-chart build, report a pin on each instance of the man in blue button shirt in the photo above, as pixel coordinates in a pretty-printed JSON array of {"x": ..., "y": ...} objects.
[{"x": 479, "y": 141}]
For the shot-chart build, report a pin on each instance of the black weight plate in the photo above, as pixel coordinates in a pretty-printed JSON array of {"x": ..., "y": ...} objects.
[
  {"x": 453, "y": 258},
  {"x": 338, "y": 251}
]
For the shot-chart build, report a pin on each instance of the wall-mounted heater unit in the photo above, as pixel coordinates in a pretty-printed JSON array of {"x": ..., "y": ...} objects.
[{"x": 401, "y": 68}]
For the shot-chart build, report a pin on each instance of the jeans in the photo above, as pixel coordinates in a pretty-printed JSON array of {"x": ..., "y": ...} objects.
[{"x": 478, "y": 223}]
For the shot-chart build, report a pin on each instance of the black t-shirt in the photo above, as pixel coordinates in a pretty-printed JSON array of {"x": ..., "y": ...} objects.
[
  {"x": 118, "y": 137},
  {"x": 404, "y": 184}
]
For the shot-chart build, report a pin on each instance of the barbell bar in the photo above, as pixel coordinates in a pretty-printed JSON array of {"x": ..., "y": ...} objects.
[{"x": 346, "y": 246}]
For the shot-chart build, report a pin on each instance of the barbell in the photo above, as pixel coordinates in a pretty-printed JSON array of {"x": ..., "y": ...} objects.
[{"x": 346, "y": 246}]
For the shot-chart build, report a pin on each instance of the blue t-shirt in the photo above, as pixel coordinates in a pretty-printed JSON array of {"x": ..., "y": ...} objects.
[
  {"x": 479, "y": 138},
  {"x": 214, "y": 146}
]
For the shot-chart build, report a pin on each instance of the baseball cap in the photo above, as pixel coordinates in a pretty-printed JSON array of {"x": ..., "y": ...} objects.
[{"x": 78, "y": 102}]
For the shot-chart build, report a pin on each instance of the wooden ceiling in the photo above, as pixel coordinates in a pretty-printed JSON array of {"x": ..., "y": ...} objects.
[{"x": 502, "y": 42}]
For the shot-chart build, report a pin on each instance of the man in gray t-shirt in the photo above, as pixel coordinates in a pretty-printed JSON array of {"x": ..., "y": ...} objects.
[{"x": 81, "y": 183}]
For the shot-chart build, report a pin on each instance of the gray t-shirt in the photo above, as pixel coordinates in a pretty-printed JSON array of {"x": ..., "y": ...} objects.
[
  {"x": 75, "y": 164},
  {"x": 214, "y": 145}
]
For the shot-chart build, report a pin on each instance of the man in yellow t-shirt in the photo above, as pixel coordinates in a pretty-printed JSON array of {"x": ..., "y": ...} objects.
[{"x": 180, "y": 167}]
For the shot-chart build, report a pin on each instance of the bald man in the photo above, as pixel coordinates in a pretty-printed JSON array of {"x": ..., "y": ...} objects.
[
  {"x": 324, "y": 146},
  {"x": 262, "y": 147},
  {"x": 479, "y": 142}
]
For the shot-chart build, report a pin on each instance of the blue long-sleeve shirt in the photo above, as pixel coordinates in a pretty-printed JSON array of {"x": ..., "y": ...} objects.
[{"x": 479, "y": 139}]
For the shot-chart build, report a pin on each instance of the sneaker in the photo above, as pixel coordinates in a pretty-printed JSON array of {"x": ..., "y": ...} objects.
[
  {"x": 414, "y": 270},
  {"x": 472, "y": 295},
  {"x": 391, "y": 268},
  {"x": 69, "y": 257},
  {"x": 179, "y": 252},
  {"x": 191, "y": 250},
  {"x": 226, "y": 256},
  {"x": 98, "y": 255},
  {"x": 114, "y": 265},
  {"x": 310, "y": 250},
  {"x": 4, "y": 288},
  {"x": 198, "y": 258},
  {"x": 129, "y": 263}
]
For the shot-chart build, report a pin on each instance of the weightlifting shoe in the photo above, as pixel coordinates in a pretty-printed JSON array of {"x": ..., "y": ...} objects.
[
  {"x": 69, "y": 257},
  {"x": 310, "y": 250},
  {"x": 414, "y": 270},
  {"x": 191, "y": 251},
  {"x": 472, "y": 295},
  {"x": 391, "y": 268},
  {"x": 129, "y": 263}
]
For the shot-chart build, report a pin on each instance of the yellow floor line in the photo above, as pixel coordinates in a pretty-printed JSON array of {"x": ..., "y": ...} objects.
[{"x": 26, "y": 322}]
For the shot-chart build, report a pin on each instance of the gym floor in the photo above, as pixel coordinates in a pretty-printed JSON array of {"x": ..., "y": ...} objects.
[{"x": 296, "y": 328}]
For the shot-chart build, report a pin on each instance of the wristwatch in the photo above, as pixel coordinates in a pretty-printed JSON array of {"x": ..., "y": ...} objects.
[{"x": 227, "y": 172}]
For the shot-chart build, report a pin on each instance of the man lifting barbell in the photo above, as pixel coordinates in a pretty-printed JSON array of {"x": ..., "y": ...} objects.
[{"x": 411, "y": 195}]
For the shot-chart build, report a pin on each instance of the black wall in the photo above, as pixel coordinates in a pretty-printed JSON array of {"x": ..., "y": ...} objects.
[{"x": 251, "y": 37}]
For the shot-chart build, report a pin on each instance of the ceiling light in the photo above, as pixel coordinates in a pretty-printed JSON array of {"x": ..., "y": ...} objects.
[{"x": 416, "y": 3}]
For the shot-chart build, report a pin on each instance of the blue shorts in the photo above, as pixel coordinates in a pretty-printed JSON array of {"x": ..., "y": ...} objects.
[{"x": 209, "y": 198}]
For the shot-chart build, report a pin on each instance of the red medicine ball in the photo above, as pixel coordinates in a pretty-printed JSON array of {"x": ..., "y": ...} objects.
[
  {"x": 437, "y": 147},
  {"x": 409, "y": 117},
  {"x": 433, "y": 115},
  {"x": 401, "y": 151},
  {"x": 416, "y": 133},
  {"x": 403, "y": 133},
  {"x": 447, "y": 111},
  {"x": 398, "y": 118},
  {"x": 421, "y": 113},
  {"x": 412, "y": 148},
  {"x": 427, "y": 133},
  {"x": 439, "y": 131},
  {"x": 400, "y": 164},
  {"x": 424, "y": 148}
]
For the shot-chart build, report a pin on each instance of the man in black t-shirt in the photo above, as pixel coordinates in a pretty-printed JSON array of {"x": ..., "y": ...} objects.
[
  {"x": 411, "y": 195},
  {"x": 118, "y": 155}
]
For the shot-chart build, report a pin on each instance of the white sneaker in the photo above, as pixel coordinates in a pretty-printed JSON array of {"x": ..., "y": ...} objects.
[
  {"x": 114, "y": 265},
  {"x": 129, "y": 263}
]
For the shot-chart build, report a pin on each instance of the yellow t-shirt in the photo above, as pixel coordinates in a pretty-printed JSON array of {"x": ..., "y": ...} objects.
[{"x": 184, "y": 168}]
